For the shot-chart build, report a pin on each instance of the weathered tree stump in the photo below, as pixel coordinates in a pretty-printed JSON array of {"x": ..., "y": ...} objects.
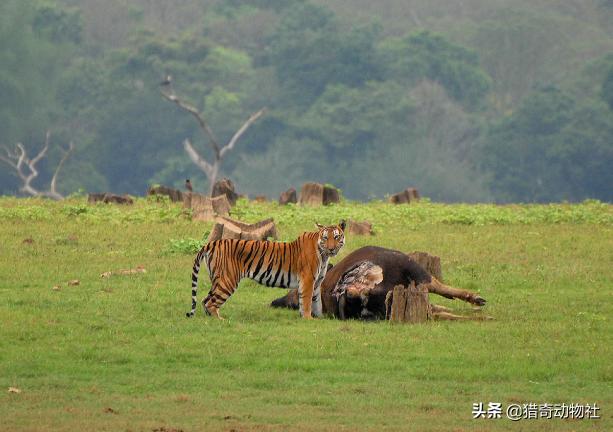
[
  {"x": 311, "y": 194},
  {"x": 187, "y": 200},
  {"x": 174, "y": 194},
  {"x": 225, "y": 187},
  {"x": 233, "y": 229},
  {"x": 331, "y": 195},
  {"x": 405, "y": 197},
  {"x": 409, "y": 304},
  {"x": 430, "y": 263},
  {"x": 260, "y": 199},
  {"x": 360, "y": 228},
  {"x": 205, "y": 208},
  {"x": 289, "y": 196},
  {"x": 316, "y": 194},
  {"x": 106, "y": 197}
]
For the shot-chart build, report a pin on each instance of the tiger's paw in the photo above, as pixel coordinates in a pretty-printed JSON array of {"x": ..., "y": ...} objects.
[{"x": 213, "y": 311}]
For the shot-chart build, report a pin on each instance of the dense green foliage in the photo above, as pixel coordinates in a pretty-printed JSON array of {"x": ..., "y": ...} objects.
[
  {"x": 550, "y": 138},
  {"x": 479, "y": 101},
  {"x": 117, "y": 353}
]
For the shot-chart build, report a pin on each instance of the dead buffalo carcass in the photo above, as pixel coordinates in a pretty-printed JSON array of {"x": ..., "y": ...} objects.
[{"x": 358, "y": 285}]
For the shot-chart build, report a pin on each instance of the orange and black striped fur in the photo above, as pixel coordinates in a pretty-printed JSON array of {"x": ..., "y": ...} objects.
[{"x": 299, "y": 264}]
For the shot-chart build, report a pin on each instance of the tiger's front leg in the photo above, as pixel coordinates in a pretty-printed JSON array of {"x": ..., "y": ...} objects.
[
  {"x": 316, "y": 308},
  {"x": 305, "y": 296}
]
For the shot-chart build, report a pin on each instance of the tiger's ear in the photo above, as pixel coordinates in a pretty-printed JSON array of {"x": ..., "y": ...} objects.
[
  {"x": 319, "y": 226},
  {"x": 342, "y": 224}
]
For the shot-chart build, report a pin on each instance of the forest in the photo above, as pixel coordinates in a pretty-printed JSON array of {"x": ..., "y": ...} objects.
[{"x": 473, "y": 101}]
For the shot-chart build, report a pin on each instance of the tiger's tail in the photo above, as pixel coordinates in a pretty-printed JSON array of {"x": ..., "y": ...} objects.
[{"x": 195, "y": 272}]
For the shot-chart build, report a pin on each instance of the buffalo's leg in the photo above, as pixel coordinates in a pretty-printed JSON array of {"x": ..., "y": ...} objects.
[
  {"x": 437, "y": 287},
  {"x": 437, "y": 308},
  {"x": 447, "y": 316},
  {"x": 453, "y": 317},
  {"x": 342, "y": 302},
  {"x": 290, "y": 300}
]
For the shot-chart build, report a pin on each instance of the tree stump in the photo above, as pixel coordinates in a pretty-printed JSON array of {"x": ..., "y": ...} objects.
[
  {"x": 331, "y": 195},
  {"x": 316, "y": 194},
  {"x": 233, "y": 229},
  {"x": 360, "y": 228},
  {"x": 430, "y": 263},
  {"x": 260, "y": 199},
  {"x": 107, "y": 198},
  {"x": 413, "y": 194},
  {"x": 409, "y": 304},
  {"x": 405, "y": 197},
  {"x": 205, "y": 208},
  {"x": 225, "y": 187},
  {"x": 187, "y": 200},
  {"x": 174, "y": 194},
  {"x": 311, "y": 194},
  {"x": 289, "y": 196}
]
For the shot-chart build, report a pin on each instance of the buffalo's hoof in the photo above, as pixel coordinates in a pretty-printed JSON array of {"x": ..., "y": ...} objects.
[{"x": 479, "y": 301}]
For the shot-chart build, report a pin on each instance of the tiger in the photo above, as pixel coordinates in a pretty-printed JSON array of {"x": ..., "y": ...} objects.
[{"x": 300, "y": 264}]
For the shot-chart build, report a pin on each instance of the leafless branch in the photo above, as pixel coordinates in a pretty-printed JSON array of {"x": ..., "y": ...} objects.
[
  {"x": 242, "y": 130},
  {"x": 8, "y": 159},
  {"x": 17, "y": 160},
  {"x": 199, "y": 118},
  {"x": 210, "y": 169},
  {"x": 43, "y": 152},
  {"x": 53, "y": 193},
  {"x": 197, "y": 159}
]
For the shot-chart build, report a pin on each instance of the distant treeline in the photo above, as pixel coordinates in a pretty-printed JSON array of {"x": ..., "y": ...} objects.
[{"x": 487, "y": 100}]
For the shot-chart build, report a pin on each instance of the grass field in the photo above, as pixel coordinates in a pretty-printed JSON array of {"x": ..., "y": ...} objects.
[{"x": 118, "y": 353}]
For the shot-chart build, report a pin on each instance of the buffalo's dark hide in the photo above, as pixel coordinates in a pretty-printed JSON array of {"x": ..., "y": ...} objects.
[{"x": 397, "y": 267}]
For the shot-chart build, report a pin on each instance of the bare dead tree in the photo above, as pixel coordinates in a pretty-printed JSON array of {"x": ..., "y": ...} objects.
[
  {"x": 19, "y": 161},
  {"x": 210, "y": 169}
]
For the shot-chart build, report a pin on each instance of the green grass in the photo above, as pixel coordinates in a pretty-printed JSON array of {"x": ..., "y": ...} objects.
[{"x": 118, "y": 354}]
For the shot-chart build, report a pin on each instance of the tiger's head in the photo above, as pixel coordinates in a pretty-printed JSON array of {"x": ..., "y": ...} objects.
[{"x": 331, "y": 238}]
